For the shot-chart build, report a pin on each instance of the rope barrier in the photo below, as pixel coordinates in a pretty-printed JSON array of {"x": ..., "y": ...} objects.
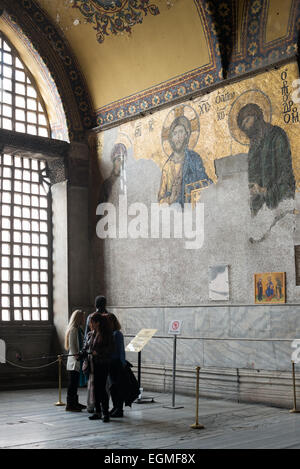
[
  {"x": 29, "y": 367},
  {"x": 38, "y": 358},
  {"x": 230, "y": 339},
  {"x": 59, "y": 359},
  {"x": 204, "y": 386},
  {"x": 34, "y": 359}
]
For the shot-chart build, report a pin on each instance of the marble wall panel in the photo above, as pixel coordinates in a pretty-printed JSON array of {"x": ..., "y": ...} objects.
[
  {"x": 212, "y": 321},
  {"x": 259, "y": 355},
  {"x": 133, "y": 320},
  {"x": 285, "y": 322},
  {"x": 250, "y": 322},
  {"x": 219, "y": 325}
]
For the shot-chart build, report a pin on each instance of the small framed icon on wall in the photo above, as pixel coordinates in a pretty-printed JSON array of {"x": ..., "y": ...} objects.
[{"x": 270, "y": 288}]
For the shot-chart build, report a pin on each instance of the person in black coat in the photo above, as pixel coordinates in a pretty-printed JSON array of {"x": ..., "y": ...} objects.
[
  {"x": 116, "y": 375},
  {"x": 101, "y": 349},
  {"x": 100, "y": 305}
]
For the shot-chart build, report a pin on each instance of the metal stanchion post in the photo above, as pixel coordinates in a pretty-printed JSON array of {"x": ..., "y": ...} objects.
[
  {"x": 197, "y": 425},
  {"x": 174, "y": 376},
  {"x": 139, "y": 372},
  {"x": 294, "y": 410},
  {"x": 59, "y": 403},
  {"x": 174, "y": 370}
]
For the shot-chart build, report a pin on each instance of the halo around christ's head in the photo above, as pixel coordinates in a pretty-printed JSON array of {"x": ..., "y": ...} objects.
[
  {"x": 190, "y": 114},
  {"x": 254, "y": 96}
]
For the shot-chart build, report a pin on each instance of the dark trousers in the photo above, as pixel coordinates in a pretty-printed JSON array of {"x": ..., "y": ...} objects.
[
  {"x": 101, "y": 371},
  {"x": 73, "y": 385},
  {"x": 116, "y": 377},
  {"x": 116, "y": 397}
]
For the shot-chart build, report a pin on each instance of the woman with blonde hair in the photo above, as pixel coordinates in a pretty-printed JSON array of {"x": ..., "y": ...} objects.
[{"x": 74, "y": 343}]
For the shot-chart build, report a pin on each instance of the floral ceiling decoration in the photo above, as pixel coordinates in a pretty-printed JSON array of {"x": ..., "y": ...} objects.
[{"x": 114, "y": 16}]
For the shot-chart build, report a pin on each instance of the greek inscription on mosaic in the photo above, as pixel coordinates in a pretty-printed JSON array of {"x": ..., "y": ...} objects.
[
  {"x": 290, "y": 111},
  {"x": 220, "y": 99},
  {"x": 204, "y": 107}
]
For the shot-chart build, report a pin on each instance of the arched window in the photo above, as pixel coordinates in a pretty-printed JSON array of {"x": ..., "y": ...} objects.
[
  {"x": 22, "y": 108},
  {"x": 25, "y": 201}
]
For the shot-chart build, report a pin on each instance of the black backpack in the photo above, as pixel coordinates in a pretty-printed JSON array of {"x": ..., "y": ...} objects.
[{"x": 130, "y": 385}]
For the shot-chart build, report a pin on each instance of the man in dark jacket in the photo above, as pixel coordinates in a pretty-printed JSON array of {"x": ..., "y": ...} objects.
[{"x": 100, "y": 305}]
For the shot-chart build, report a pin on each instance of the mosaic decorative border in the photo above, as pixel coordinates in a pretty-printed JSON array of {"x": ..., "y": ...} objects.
[
  {"x": 50, "y": 44},
  {"x": 171, "y": 90},
  {"x": 254, "y": 55}
]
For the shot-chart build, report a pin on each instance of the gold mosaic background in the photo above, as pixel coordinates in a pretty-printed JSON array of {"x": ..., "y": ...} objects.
[{"x": 213, "y": 119}]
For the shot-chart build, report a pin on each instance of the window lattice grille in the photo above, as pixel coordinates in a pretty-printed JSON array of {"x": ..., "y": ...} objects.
[
  {"x": 24, "y": 244},
  {"x": 21, "y": 106}
]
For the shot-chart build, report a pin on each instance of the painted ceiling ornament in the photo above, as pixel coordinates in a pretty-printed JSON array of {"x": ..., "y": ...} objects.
[{"x": 114, "y": 16}]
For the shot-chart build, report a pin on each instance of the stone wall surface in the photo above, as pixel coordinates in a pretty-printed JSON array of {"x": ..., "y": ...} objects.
[
  {"x": 164, "y": 272},
  {"x": 150, "y": 282},
  {"x": 244, "y": 352},
  {"x": 29, "y": 349}
]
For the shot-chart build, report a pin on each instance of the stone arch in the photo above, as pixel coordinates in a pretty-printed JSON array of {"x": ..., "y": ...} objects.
[{"x": 54, "y": 66}]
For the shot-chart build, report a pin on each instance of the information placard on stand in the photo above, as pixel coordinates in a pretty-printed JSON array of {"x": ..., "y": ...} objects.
[{"x": 136, "y": 345}]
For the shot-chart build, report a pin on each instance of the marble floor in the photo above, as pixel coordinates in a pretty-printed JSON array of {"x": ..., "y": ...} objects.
[{"x": 29, "y": 419}]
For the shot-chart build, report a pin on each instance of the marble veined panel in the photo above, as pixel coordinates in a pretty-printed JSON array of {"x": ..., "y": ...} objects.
[
  {"x": 212, "y": 322},
  {"x": 243, "y": 354},
  {"x": 145, "y": 318},
  {"x": 250, "y": 322},
  {"x": 285, "y": 322}
]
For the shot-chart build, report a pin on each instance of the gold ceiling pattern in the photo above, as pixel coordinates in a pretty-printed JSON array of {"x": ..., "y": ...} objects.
[
  {"x": 114, "y": 16},
  {"x": 171, "y": 50}
]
